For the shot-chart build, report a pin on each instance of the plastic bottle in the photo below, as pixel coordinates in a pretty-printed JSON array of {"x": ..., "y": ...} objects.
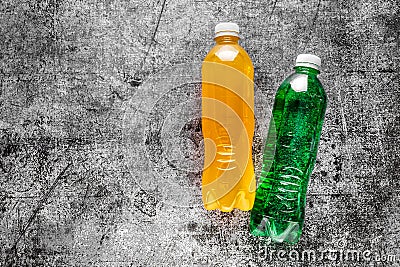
[
  {"x": 228, "y": 180},
  {"x": 290, "y": 154}
]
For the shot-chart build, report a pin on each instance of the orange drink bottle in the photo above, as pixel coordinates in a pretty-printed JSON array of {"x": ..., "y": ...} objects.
[{"x": 228, "y": 180}]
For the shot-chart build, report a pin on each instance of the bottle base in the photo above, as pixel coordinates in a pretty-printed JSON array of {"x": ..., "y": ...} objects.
[
  {"x": 243, "y": 201},
  {"x": 279, "y": 231}
]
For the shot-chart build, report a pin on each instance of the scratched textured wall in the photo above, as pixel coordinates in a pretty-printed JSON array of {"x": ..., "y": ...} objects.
[{"x": 100, "y": 141}]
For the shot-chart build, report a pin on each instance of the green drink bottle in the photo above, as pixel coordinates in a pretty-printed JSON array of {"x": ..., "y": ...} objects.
[{"x": 289, "y": 154}]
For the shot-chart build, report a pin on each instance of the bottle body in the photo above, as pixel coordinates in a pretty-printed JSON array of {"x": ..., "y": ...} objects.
[
  {"x": 298, "y": 115},
  {"x": 228, "y": 180}
]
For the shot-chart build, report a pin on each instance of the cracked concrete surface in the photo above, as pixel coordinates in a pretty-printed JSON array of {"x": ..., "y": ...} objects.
[{"x": 101, "y": 146}]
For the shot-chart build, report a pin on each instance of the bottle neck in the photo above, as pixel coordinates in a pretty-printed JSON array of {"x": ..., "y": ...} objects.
[
  {"x": 226, "y": 39},
  {"x": 306, "y": 70}
]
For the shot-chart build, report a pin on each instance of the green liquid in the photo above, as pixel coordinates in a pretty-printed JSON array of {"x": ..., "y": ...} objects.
[{"x": 289, "y": 157}]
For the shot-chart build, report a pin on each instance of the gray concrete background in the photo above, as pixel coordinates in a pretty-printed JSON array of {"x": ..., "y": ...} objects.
[{"x": 100, "y": 141}]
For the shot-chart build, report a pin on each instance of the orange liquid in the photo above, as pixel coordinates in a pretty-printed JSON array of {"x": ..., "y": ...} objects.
[{"x": 228, "y": 180}]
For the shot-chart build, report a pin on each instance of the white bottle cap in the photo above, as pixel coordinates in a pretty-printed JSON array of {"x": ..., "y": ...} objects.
[
  {"x": 308, "y": 60},
  {"x": 226, "y": 28}
]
